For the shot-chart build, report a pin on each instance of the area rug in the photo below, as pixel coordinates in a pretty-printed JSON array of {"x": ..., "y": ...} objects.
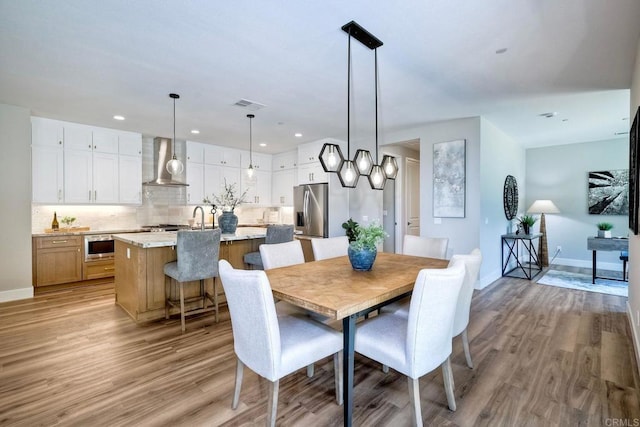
[{"x": 567, "y": 279}]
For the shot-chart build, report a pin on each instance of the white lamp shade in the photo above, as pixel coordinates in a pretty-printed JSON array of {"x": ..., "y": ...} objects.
[{"x": 543, "y": 206}]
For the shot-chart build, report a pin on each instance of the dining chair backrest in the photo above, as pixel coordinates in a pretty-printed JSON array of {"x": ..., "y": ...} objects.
[
  {"x": 197, "y": 252},
  {"x": 331, "y": 247},
  {"x": 431, "y": 247},
  {"x": 472, "y": 263},
  {"x": 278, "y": 233},
  {"x": 431, "y": 313},
  {"x": 281, "y": 254},
  {"x": 256, "y": 334}
]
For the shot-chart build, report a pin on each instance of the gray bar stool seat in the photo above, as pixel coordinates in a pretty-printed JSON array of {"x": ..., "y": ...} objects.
[
  {"x": 197, "y": 253},
  {"x": 275, "y": 234}
]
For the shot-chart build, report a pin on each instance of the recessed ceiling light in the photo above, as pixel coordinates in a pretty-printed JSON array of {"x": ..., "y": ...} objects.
[
  {"x": 298, "y": 135},
  {"x": 263, "y": 144},
  {"x": 195, "y": 131},
  {"x": 501, "y": 51},
  {"x": 118, "y": 117},
  {"x": 549, "y": 115}
]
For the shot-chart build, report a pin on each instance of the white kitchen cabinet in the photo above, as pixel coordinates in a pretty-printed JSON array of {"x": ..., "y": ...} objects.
[
  {"x": 222, "y": 156},
  {"x": 282, "y": 187},
  {"x": 195, "y": 152},
  {"x": 78, "y": 137},
  {"x": 130, "y": 179},
  {"x": 309, "y": 152},
  {"x": 105, "y": 140},
  {"x": 47, "y": 174},
  {"x": 216, "y": 176},
  {"x": 286, "y": 160},
  {"x": 260, "y": 161},
  {"x": 78, "y": 176},
  {"x": 195, "y": 179},
  {"x": 105, "y": 178},
  {"x": 258, "y": 188},
  {"x": 47, "y": 132},
  {"x": 130, "y": 144},
  {"x": 312, "y": 173}
]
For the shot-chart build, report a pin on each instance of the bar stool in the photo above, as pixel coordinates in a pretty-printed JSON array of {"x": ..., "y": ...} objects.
[
  {"x": 197, "y": 253},
  {"x": 624, "y": 257},
  {"x": 275, "y": 234}
]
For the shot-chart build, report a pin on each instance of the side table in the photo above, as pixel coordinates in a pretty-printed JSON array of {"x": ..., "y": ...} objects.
[{"x": 521, "y": 249}]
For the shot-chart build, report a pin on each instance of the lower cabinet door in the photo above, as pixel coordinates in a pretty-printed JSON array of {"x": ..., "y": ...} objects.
[
  {"x": 59, "y": 265},
  {"x": 98, "y": 269}
]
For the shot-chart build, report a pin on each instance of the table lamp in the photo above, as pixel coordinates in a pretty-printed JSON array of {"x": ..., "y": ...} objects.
[{"x": 542, "y": 207}]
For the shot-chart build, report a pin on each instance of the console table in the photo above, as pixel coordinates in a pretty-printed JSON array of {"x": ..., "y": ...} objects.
[
  {"x": 596, "y": 244},
  {"x": 528, "y": 263}
]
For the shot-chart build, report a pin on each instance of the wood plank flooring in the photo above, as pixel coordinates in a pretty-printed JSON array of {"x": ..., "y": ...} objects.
[{"x": 543, "y": 356}]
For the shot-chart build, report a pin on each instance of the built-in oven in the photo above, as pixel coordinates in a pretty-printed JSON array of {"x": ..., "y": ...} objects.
[{"x": 98, "y": 246}]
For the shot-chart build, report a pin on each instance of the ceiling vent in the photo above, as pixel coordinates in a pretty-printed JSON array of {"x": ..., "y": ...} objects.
[{"x": 249, "y": 105}]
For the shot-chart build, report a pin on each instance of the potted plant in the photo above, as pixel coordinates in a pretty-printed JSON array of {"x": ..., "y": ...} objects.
[
  {"x": 604, "y": 229},
  {"x": 363, "y": 250},
  {"x": 68, "y": 221},
  {"x": 350, "y": 229},
  {"x": 527, "y": 222}
]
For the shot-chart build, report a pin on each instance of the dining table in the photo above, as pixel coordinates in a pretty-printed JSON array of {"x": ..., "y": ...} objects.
[{"x": 332, "y": 288}]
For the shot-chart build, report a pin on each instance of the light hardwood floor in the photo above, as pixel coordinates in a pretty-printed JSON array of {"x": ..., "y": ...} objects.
[{"x": 543, "y": 356}]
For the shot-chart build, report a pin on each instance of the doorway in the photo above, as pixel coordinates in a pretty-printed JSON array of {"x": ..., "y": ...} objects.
[{"x": 412, "y": 196}]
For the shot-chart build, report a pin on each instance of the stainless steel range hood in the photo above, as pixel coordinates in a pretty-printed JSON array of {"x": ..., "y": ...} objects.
[{"x": 162, "y": 153}]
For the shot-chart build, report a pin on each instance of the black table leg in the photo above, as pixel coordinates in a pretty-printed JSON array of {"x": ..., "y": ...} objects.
[
  {"x": 593, "y": 267},
  {"x": 349, "y": 334}
]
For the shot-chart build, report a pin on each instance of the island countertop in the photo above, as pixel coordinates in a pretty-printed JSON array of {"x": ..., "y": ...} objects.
[{"x": 168, "y": 238}]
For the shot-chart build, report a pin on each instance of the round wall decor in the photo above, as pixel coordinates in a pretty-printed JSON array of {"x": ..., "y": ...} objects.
[{"x": 510, "y": 197}]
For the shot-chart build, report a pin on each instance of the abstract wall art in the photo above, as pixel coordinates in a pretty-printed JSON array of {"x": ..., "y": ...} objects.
[
  {"x": 449, "y": 174},
  {"x": 608, "y": 192}
]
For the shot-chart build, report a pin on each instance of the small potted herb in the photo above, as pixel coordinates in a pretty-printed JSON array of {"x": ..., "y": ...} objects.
[
  {"x": 363, "y": 250},
  {"x": 68, "y": 221},
  {"x": 527, "y": 221},
  {"x": 350, "y": 229},
  {"x": 604, "y": 229}
]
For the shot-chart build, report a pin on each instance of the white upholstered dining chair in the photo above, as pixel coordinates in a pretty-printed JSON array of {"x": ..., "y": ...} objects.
[
  {"x": 430, "y": 247},
  {"x": 472, "y": 263},
  {"x": 281, "y": 254},
  {"x": 418, "y": 344},
  {"x": 270, "y": 345},
  {"x": 330, "y": 247}
]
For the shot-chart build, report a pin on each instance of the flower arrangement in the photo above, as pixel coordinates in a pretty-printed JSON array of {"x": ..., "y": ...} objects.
[
  {"x": 227, "y": 200},
  {"x": 368, "y": 236},
  {"x": 68, "y": 221}
]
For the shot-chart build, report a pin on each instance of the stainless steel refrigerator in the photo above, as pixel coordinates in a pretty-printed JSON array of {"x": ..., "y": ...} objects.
[{"x": 311, "y": 209}]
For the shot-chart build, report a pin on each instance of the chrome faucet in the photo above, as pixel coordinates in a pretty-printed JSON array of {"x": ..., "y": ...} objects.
[{"x": 202, "y": 212}]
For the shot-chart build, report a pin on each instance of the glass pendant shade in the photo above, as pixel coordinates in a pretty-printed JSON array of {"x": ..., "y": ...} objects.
[
  {"x": 250, "y": 171},
  {"x": 390, "y": 167},
  {"x": 363, "y": 162},
  {"x": 331, "y": 157},
  {"x": 348, "y": 174},
  {"x": 175, "y": 166},
  {"x": 377, "y": 178}
]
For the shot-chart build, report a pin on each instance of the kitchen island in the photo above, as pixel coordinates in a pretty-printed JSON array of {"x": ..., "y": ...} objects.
[{"x": 139, "y": 268}]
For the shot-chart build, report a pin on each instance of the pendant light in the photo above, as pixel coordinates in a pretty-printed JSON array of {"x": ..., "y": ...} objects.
[
  {"x": 348, "y": 173},
  {"x": 377, "y": 178},
  {"x": 250, "y": 169},
  {"x": 174, "y": 166},
  {"x": 390, "y": 166}
]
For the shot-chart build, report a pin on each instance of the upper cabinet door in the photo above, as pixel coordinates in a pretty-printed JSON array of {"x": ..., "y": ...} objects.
[
  {"x": 46, "y": 132},
  {"x": 78, "y": 137},
  {"x": 47, "y": 174},
  {"x": 195, "y": 152},
  {"x": 105, "y": 141},
  {"x": 105, "y": 178},
  {"x": 259, "y": 161},
  {"x": 130, "y": 179},
  {"x": 221, "y": 156},
  {"x": 78, "y": 185},
  {"x": 286, "y": 160},
  {"x": 130, "y": 144}
]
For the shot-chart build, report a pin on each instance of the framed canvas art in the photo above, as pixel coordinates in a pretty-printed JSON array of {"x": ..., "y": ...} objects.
[
  {"x": 608, "y": 192},
  {"x": 449, "y": 175},
  {"x": 634, "y": 191}
]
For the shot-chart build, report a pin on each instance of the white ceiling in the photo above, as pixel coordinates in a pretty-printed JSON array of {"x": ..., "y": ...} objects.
[{"x": 86, "y": 60}]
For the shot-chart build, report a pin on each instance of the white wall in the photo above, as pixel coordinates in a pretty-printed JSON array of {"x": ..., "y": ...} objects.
[
  {"x": 634, "y": 240},
  {"x": 500, "y": 156},
  {"x": 15, "y": 215},
  {"x": 560, "y": 173}
]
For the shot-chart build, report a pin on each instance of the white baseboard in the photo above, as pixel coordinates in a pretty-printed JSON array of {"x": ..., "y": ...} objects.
[
  {"x": 634, "y": 333},
  {"x": 16, "y": 294},
  {"x": 612, "y": 266},
  {"x": 488, "y": 279}
]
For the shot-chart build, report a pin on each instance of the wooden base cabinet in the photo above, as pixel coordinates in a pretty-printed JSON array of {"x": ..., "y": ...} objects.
[
  {"x": 58, "y": 259},
  {"x": 98, "y": 269}
]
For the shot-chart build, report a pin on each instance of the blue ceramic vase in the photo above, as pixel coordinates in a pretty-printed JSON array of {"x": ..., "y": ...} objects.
[
  {"x": 228, "y": 222},
  {"x": 362, "y": 259}
]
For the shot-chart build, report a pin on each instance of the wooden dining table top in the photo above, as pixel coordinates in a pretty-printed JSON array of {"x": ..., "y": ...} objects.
[{"x": 333, "y": 288}]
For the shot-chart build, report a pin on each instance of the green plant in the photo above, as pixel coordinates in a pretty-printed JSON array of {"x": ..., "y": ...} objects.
[
  {"x": 67, "y": 220},
  {"x": 350, "y": 227},
  {"x": 605, "y": 226},
  {"x": 527, "y": 220},
  {"x": 368, "y": 236}
]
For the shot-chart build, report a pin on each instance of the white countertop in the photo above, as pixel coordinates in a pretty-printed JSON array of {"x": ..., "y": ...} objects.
[{"x": 168, "y": 238}]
